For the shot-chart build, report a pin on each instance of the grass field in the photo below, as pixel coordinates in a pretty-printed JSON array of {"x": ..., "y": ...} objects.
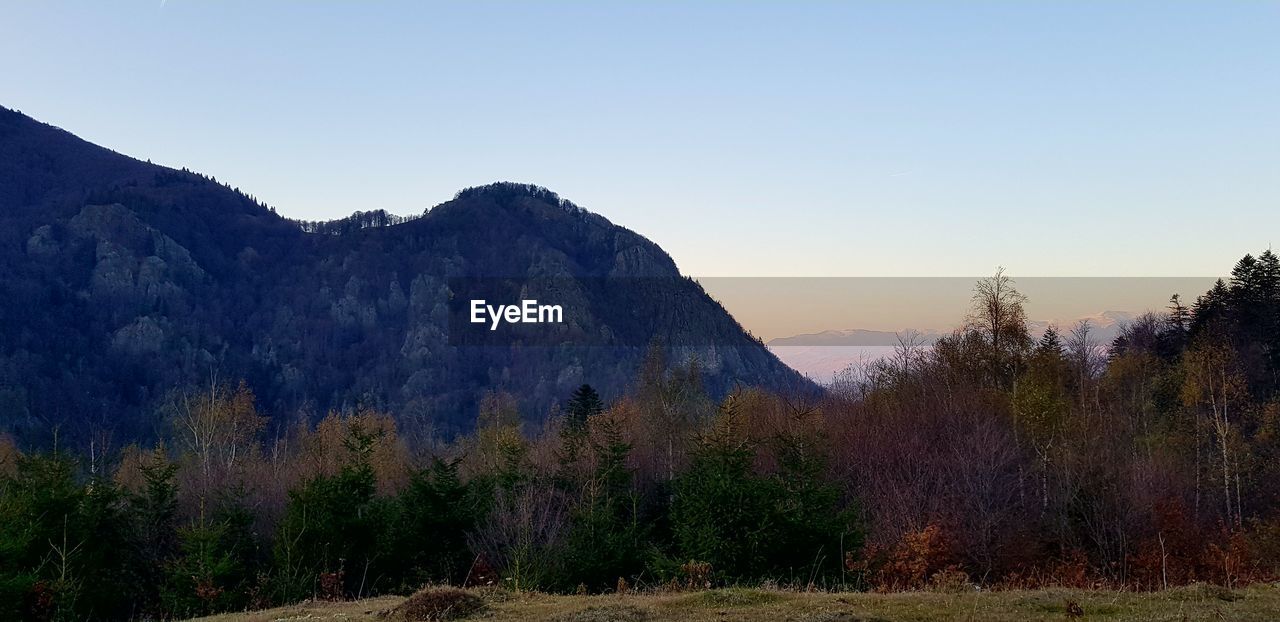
[{"x": 1260, "y": 603}]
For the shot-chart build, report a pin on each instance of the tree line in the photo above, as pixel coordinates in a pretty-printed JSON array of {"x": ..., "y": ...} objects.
[
  {"x": 990, "y": 458},
  {"x": 357, "y": 221}
]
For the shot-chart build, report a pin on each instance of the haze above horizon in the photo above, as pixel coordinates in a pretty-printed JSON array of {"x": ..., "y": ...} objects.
[{"x": 875, "y": 138}]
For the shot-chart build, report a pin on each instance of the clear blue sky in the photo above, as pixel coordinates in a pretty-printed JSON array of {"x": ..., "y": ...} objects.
[{"x": 747, "y": 138}]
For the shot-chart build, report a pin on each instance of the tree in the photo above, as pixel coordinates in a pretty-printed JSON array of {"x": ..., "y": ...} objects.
[
  {"x": 1179, "y": 318},
  {"x": 218, "y": 428},
  {"x": 66, "y": 540},
  {"x": 606, "y": 539},
  {"x": 998, "y": 316},
  {"x": 154, "y": 511},
  {"x": 1172, "y": 339},
  {"x": 332, "y": 526},
  {"x": 673, "y": 401},
  {"x": 584, "y": 404},
  {"x": 1213, "y": 383},
  {"x": 215, "y": 567},
  {"x": 426, "y": 540},
  {"x": 499, "y": 447},
  {"x": 1210, "y": 309},
  {"x": 750, "y": 526},
  {"x": 1050, "y": 343},
  {"x": 38, "y": 512}
]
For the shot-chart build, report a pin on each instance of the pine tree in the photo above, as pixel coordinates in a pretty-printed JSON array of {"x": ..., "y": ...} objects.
[
  {"x": 1179, "y": 315},
  {"x": 607, "y": 540},
  {"x": 1050, "y": 342},
  {"x": 154, "y": 511},
  {"x": 750, "y": 526},
  {"x": 1268, "y": 276},
  {"x": 214, "y": 565},
  {"x": 1211, "y": 308},
  {"x": 332, "y": 526},
  {"x": 427, "y": 539},
  {"x": 584, "y": 404}
]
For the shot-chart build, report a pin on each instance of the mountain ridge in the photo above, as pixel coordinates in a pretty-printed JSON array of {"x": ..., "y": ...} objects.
[{"x": 124, "y": 279}]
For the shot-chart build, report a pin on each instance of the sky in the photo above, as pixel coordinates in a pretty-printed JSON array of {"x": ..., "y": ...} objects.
[
  {"x": 748, "y": 138},
  {"x": 772, "y": 307}
]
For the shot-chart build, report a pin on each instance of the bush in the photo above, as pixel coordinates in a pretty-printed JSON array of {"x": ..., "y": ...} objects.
[{"x": 912, "y": 562}]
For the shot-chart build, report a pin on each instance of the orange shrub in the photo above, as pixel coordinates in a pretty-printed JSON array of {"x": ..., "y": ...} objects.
[{"x": 909, "y": 564}]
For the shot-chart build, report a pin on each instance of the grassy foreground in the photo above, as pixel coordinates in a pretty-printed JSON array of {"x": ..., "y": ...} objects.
[{"x": 1260, "y": 602}]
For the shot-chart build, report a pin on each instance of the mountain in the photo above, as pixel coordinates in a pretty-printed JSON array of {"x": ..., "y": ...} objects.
[
  {"x": 822, "y": 355},
  {"x": 121, "y": 280},
  {"x": 1104, "y": 327},
  {"x": 856, "y": 337}
]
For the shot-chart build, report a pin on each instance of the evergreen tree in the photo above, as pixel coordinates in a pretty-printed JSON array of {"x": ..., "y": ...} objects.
[
  {"x": 427, "y": 537},
  {"x": 215, "y": 566},
  {"x": 67, "y": 541},
  {"x": 1179, "y": 319},
  {"x": 1050, "y": 342},
  {"x": 109, "y": 569},
  {"x": 584, "y": 404},
  {"x": 750, "y": 526},
  {"x": 38, "y": 509},
  {"x": 1268, "y": 277},
  {"x": 332, "y": 527},
  {"x": 1211, "y": 308},
  {"x": 154, "y": 511},
  {"x": 607, "y": 540}
]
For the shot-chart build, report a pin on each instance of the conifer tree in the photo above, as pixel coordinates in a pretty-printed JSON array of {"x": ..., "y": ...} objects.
[
  {"x": 427, "y": 538},
  {"x": 1179, "y": 315},
  {"x": 1211, "y": 308},
  {"x": 1050, "y": 342},
  {"x": 607, "y": 540},
  {"x": 584, "y": 404}
]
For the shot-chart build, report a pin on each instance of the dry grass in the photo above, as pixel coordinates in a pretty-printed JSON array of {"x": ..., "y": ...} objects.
[
  {"x": 1260, "y": 603},
  {"x": 437, "y": 604}
]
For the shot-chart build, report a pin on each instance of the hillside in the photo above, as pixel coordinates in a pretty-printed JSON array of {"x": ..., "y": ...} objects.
[{"x": 121, "y": 280}]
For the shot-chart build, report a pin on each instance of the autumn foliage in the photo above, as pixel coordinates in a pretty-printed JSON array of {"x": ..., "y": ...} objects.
[{"x": 990, "y": 459}]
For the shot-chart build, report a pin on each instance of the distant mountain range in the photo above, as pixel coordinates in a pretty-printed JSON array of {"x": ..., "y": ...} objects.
[
  {"x": 819, "y": 356},
  {"x": 121, "y": 280},
  {"x": 856, "y": 337},
  {"x": 1104, "y": 327}
]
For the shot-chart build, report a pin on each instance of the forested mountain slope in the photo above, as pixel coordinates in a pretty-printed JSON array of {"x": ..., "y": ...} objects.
[{"x": 121, "y": 281}]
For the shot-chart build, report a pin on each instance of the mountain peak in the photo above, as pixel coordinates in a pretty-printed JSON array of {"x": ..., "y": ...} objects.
[
  {"x": 149, "y": 278},
  {"x": 510, "y": 193}
]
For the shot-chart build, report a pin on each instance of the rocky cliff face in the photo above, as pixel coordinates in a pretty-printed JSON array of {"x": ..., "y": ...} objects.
[{"x": 122, "y": 281}]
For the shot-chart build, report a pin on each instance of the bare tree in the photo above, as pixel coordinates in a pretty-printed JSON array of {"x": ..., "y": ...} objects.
[
  {"x": 998, "y": 316},
  {"x": 1212, "y": 382},
  {"x": 520, "y": 537},
  {"x": 218, "y": 428}
]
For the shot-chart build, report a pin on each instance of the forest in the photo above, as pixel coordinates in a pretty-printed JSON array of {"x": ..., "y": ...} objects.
[{"x": 989, "y": 460}]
